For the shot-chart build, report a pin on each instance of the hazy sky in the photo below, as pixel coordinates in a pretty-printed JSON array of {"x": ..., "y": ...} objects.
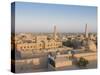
[{"x": 37, "y": 17}]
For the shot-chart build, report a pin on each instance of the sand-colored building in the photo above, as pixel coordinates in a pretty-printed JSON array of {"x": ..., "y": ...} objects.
[{"x": 36, "y": 42}]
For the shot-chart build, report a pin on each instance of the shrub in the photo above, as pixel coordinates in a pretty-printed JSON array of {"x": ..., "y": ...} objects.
[{"x": 82, "y": 62}]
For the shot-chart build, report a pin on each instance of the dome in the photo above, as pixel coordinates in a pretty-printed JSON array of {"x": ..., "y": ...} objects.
[{"x": 91, "y": 45}]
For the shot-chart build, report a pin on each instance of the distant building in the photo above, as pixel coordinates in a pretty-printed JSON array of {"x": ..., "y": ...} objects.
[{"x": 25, "y": 42}]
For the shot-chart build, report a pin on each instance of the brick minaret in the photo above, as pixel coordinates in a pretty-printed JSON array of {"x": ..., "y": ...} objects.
[
  {"x": 86, "y": 31},
  {"x": 54, "y": 34}
]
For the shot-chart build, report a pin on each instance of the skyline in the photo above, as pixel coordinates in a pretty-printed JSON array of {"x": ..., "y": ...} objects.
[{"x": 41, "y": 17}]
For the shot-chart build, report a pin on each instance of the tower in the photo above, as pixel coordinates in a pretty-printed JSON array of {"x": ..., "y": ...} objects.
[
  {"x": 86, "y": 31},
  {"x": 54, "y": 33}
]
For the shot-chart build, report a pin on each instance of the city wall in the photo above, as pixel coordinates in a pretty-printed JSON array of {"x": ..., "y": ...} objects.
[
  {"x": 88, "y": 56},
  {"x": 32, "y": 64}
]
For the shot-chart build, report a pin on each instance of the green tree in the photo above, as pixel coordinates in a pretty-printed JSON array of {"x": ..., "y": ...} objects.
[
  {"x": 82, "y": 63},
  {"x": 67, "y": 43}
]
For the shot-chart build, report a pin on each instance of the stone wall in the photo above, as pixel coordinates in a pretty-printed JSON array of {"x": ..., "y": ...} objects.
[
  {"x": 31, "y": 64},
  {"x": 88, "y": 56},
  {"x": 62, "y": 61}
]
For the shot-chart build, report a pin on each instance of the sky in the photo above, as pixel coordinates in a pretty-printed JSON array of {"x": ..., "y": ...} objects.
[{"x": 41, "y": 17}]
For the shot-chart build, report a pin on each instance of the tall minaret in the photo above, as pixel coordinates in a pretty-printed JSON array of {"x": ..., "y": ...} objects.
[
  {"x": 86, "y": 31},
  {"x": 54, "y": 33}
]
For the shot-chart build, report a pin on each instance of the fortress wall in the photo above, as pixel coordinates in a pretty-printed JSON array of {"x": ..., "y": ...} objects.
[
  {"x": 63, "y": 63},
  {"x": 88, "y": 56},
  {"x": 34, "y": 63}
]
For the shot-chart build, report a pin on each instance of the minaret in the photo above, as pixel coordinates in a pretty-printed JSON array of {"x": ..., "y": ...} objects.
[
  {"x": 54, "y": 33},
  {"x": 86, "y": 31}
]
